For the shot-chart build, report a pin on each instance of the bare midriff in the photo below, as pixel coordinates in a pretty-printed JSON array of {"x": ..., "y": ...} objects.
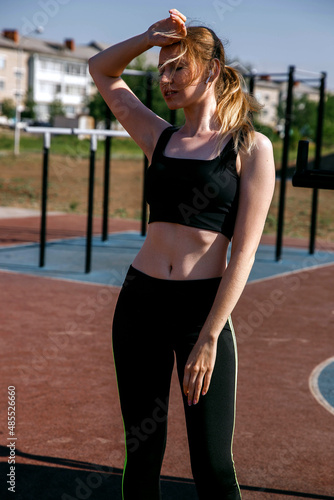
[{"x": 176, "y": 252}]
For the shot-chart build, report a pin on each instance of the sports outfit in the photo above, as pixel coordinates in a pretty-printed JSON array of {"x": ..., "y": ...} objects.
[{"x": 158, "y": 320}]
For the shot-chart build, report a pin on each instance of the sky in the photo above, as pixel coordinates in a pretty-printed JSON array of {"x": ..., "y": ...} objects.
[{"x": 268, "y": 35}]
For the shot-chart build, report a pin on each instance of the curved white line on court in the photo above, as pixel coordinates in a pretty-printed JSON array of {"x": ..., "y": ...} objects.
[{"x": 313, "y": 383}]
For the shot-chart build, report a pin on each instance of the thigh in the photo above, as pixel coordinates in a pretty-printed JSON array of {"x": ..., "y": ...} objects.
[
  {"x": 210, "y": 423},
  {"x": 215, "y": 411},
  {"x": 144, "y": 363}
]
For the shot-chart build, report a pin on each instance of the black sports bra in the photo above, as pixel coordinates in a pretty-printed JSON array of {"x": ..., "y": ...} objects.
[{"x": 196, "y": 193}]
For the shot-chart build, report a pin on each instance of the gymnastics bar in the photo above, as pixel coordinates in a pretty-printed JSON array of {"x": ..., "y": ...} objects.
[{"x": 94, "y": 133}]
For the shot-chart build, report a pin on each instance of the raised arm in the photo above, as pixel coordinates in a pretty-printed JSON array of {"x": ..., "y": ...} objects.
[
  {"x": 257, "y": 184},
  {"x": 106, "y": 69}
]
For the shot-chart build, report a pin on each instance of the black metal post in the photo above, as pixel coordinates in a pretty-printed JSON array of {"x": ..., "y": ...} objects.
[
  {"x": 285, "y": 157},
  {"x": 149, "y": 84},
  {"x": 302, "y": 156},
  {"x": 93, "y": 146},
  {"x": 47, "y": 142},
  {"x": 251, "y": 84},
  {"x": 107, "y": 155},
  {"x": 321, "y": 108}
]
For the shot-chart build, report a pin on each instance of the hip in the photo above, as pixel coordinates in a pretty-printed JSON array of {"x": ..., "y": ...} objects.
[{"x": 181, "y": 304}]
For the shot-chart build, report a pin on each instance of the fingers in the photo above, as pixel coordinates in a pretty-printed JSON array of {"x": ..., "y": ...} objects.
[
  {"x": 168, "y": 31},
  {"x": 196, "y": 382},
  {"x": 175, "y": 12},
  {"x": 180, "y": 19},
  {"x": 206, "y": 383},
  {"x": 198, "y": 370}
]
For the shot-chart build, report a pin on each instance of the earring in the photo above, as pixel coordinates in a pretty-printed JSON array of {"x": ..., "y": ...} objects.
[{"x": 208, "y": 78}]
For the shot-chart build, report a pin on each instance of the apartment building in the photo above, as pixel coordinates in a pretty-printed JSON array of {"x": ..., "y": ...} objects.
[
  {"x": 269, "y": 94},
  {"x": 13, "y": 68},
  {"x": 51, "y": 71},
  {"x": 272, "y": 93}
]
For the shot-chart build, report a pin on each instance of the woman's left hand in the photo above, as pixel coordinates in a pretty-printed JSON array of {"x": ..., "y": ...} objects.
[{"x": 198, "y": 370}]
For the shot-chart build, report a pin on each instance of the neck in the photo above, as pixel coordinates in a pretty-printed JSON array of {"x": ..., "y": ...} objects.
[{"x": 201, "y": 117}]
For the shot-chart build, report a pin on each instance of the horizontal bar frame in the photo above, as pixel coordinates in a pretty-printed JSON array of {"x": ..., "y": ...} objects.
[{"x": 76, "y": 131}]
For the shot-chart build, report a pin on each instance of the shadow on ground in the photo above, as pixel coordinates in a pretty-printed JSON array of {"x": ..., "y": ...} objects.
[
  {"x": 66, "y": 479},
  {"x": 69, "y": 479}
]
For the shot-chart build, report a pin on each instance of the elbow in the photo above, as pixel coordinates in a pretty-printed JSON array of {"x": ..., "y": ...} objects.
[
  {"x": 91, "y": 65},
  {"x": 94, "y": 66}
]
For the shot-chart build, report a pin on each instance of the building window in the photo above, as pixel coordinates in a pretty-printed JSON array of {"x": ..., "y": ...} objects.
[
  {"x": 70, "y": 111},
  {"x": 2, "y": 85},
  {"x": 2, "y": 62},
  {"x": 49, "y": 65},
  {"x": 18, "y": 72},
  {"x": 42, "y": 112},
  {"x": 49, "y": 88},
  {"x": 75, "y": 69},
  {"x": 75, "y": 90}
]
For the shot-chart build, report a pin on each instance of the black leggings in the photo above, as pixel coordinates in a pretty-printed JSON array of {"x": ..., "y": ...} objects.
[{"x": 154, "y": 319}]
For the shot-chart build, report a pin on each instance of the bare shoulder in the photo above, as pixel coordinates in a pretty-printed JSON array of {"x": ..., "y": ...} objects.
[
  {"x": 262, "y": 140},
  {"x": 261, "y": 156},
  {"x": 263, "y": 146}
]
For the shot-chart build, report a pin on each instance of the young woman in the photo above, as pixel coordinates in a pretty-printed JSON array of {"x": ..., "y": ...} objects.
[{"x": 209, "y": 181}]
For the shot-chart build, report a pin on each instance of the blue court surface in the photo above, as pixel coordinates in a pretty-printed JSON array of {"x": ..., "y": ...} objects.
[
  {"x": 65, "y": 259},
  {"x": 325, "y": 382}
]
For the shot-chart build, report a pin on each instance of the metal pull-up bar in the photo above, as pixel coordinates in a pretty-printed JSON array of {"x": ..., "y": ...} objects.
[
  {"x": 314, "y": 178},
  {"x": 94, "y": 133},
  {"x": 291, "y": 80},
  {"x": 310, "y": 177},
  {"x": 320, "y": 179}
]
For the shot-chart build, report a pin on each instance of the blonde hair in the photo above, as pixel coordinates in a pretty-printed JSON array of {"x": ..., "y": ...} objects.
[{"x": 234, "y": 106}]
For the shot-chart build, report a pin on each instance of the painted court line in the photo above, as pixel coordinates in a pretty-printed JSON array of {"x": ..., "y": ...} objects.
[
  {"x": 316, "y": 389},
  {"x": 289, "y": 273}
]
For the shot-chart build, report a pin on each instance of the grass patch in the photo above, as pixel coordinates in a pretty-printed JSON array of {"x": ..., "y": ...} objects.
[
  {"x": 69, "y": 145},
  {"x": 122, "y": 147}
]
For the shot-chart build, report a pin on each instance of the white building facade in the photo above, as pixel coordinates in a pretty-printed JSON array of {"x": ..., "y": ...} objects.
[
  {"x": 54, "y": 79},
  {"x": 51, "y": 72}
]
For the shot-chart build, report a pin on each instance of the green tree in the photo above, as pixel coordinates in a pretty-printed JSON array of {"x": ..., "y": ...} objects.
[
  {"x": 30, "y": 104},
  {"x": 304, "y": 121},
  {"x": 328, "y": 126},
  {"x": 8, "y": 108},
  {"x": 56, "y": 109},
  {"x": 97, "y": 107}
]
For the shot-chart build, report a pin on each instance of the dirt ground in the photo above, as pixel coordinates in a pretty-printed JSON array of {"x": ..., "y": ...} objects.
[{"x": 20, "y": 186}]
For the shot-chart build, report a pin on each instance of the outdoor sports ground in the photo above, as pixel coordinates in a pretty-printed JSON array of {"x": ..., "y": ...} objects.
[{"x": 55, "y": 351}]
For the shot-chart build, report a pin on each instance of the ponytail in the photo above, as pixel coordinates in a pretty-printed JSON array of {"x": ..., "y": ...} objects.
[{"x": 235, "y": 108}]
